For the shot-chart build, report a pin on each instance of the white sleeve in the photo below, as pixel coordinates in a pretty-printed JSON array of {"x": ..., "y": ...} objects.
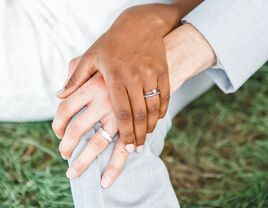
[{"x": 237, "y": 30}]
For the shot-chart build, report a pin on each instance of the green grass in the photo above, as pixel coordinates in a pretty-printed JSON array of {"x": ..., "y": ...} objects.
[{"x": 216, "y": 152}]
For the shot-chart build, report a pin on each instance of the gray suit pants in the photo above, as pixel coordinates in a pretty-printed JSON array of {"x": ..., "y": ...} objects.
[{"x": 144, "y": 181}]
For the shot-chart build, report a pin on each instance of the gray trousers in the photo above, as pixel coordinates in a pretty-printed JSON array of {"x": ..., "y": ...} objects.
[{"x": 144, "y": 181}]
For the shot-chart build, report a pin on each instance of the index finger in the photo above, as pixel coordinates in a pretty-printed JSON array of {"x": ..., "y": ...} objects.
[{"x": 84, "y": 70}]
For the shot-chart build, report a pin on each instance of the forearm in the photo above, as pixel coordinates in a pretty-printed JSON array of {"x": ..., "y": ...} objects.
[
  {"x": 158, "y": 18},
  {"x": 188, "y": 53}
]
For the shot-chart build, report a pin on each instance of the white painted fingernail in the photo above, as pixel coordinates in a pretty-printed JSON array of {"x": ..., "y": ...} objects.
[
  {"x": 60, "y": 91},
  {"x": 71, "y": 173},
  {"x": 139, "y": 149},
  {"x": 106, "y": 181},
  {"x": 130, "y": 148}
]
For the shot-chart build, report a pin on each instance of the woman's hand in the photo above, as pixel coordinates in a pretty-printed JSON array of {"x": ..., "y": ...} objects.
[{"x": 131, "y": 57}]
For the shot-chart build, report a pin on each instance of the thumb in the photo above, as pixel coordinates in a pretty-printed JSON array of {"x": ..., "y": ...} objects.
[
  {"x": 80, "y": 70},
  {"x": 72, "y": 66}
]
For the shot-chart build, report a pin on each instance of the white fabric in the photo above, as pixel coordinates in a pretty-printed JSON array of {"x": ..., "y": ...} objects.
[
  {"x": 37, "y": 40},
  {"x": 237, "y": 31}
]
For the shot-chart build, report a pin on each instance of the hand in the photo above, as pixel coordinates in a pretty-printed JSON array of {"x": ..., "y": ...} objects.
[
  {"x": 131, "y": 57},
  {"x": 181, "y": 66},
  {"x": 94, "y": 96}
]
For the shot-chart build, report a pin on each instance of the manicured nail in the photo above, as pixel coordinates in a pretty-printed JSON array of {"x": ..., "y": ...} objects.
[
  {"x": 60, "y": 91},
  {"x": 106, "y": 181},
  {"x": 71, "y": 173},
  {"x": 139, "y": 149},
  {"x": 130, "y": 148}
]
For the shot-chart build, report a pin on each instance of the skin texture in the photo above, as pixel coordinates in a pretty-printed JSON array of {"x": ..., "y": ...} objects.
[
  {"x": 131, "y": 57},
  {"x": 183, "y": 47}
]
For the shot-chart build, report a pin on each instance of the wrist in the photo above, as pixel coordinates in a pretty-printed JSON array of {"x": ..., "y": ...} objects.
[
  {"x": 188, "y": 53},
  {"x": 158, "y": 19}
]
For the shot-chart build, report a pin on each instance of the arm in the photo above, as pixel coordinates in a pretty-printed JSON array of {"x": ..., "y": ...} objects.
[{"x": 235, "y": 30}]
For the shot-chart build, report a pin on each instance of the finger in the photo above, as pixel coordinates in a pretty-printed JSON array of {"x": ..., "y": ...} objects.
[
  {"x": 163, "y": 85},
  {"x": 118, "y": 160},
  {"x": 153, "y": 107},
  {"x": 122, "y": 109},
  {"x": 93, "y": 148},
  {"x": 82, "y": 73},
  {"x": 72, "y": 66},
  {"x": 139, "y": 114},
  {"x": 69, "y": 107},
  {"x": 77, "y": 128}
]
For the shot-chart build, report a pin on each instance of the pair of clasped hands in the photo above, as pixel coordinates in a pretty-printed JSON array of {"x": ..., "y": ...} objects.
[{"x": 109, "y": 81}]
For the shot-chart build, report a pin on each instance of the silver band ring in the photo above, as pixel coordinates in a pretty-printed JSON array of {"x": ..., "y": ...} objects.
[
  {"x": 152, "y": 93},
  {"x": 105, "y": 134}
]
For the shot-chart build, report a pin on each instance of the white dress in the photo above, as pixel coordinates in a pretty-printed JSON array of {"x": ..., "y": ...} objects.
[{"x": 37, "y": 40}]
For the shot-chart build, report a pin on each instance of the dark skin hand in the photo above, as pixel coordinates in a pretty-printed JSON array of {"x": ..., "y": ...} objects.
[{"x": 131, "y": 57}]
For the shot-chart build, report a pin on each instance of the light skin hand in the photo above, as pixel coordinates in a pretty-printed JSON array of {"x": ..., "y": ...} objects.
[{"x": 95, "y": 98}]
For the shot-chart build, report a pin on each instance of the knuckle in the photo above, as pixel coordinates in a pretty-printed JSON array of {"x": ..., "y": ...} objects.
[
  {"x": 129, "y": 136},
  {"x": 79, "y": 165},
  {"x": 140, "y": 116},
  {"x": 123, "y": 152},
  {"x": 64, "y": 150},
  {"x": 74, "y": 129},
  {"x": 98, "y": 143},
  {"x": 154, "y": 109},
  {"x": 135, "y": 77},
  {"x": 163, "y": 69},
  {"x": 149, "y": 72},
  {"x": 124, "y": 115},
  {"x": 113, "y": 171},
  {"x": 63, "y": 108}
]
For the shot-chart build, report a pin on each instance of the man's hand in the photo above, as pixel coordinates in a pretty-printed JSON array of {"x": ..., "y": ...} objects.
[{"x": 94, "y": 98}]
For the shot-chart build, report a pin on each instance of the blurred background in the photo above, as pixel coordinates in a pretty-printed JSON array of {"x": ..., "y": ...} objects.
[{"x": 216, "y": 152}]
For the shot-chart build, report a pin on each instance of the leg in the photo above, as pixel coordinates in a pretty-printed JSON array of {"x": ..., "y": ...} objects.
[{"x": 144, "y": 181}]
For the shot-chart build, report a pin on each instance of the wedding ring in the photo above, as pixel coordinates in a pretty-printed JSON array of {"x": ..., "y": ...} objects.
[
  {"x": 152, "y": 93},
  {"x": 105, "y": 134}
]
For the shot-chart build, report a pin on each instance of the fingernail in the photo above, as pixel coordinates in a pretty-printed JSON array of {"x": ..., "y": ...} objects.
[
  {"x": 139, "y": 149},
  {"x": 106, "y": 181},
  {"x": 130, "y": 148},
  {"x": 60, "y": 91},
  {"x": 71, "y": 173},
  {"x": 63, "y": 157}
]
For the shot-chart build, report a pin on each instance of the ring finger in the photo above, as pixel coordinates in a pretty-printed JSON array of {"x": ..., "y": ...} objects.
[
  {"x": 93, "y": 148},
  {"x": 153, "y": 107}
]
